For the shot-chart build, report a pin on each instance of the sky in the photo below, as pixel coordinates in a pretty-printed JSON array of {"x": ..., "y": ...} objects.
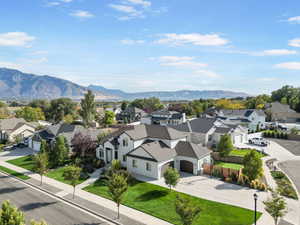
[{"x": 149, "y": 45}]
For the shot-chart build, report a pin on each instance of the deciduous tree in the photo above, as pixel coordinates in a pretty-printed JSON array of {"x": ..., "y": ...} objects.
[
  {"x": 252, "y": 165},
  {"x": 72, "y": 174},
  {"x": 41, "y": 164},
  {"x": 225, "y": 145},
  {"x": 186, "y": 210},
  {"x": 276, "y": 206},
  {"x": 172, "y": 177},
  {"x": 88, "y": 108},
  {"x": 10, "y": 215}
]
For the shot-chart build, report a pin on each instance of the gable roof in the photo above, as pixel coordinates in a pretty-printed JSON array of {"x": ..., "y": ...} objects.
[
  {"x": 154, "y": 131},
  {"x": 199, "y": 125},
  {"x": 12, "y": 124},
  {"x": 242, "y": 112},
  {"x": 191, "y": 150},
  {"x": 277, "y": 107},
  {"x": 155, "y": 150}
]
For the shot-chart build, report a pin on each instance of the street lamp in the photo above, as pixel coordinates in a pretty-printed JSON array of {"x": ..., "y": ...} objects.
[{"x": 255, "y": 206}]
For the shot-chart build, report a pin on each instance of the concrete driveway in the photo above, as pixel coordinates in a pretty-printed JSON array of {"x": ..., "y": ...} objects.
[{"x": 17, "y": 153}]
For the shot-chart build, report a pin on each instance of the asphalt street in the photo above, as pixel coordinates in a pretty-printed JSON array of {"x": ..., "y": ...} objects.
[
  {"x": 292, "y": 169},
  {"x": 37, "y": 205}
]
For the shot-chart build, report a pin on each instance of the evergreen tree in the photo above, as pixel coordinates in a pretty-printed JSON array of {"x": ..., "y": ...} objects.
[
  {"x": 60, "y": 152},
  {"x": 88, "y": 108},
  {"x": 225, "y": 145},
  {"x": 186, "y": 210}
]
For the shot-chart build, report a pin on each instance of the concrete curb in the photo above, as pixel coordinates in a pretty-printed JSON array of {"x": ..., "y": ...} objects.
[{"x": 63, "y": 199}]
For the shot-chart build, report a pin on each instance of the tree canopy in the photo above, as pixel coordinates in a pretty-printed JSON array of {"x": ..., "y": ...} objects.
[
  {"x": 88, "y": 108},
  {"x": 30, "y": 114},
  {"x": 225, "y": 145},
  {"x": 252, "y": 165}
]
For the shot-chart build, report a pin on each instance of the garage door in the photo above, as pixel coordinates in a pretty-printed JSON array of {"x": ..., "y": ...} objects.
[
  {"x": 186, "y": 166},
  {"x": 166, "y": 166}
]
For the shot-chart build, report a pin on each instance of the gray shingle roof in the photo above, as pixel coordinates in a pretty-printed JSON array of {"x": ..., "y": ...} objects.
[
  {"x": 277, "y": 107},
  {"x": 242, "y": 112},
  {"x": 191, "y": 150},
  {"x": 154, "y": 131},
  {"x": 156, "y": 150},
  {"x": 12, "y": 124},
  {"x": 199, "y": 125}
]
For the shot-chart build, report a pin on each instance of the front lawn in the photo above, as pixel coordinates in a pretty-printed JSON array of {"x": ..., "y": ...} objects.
[
  {"x": 160, "y": 202},
  {"x": 284, "y": 185},
  {"x": 243, "y": 152},
  {"x": 25, "y": 162},
  {"x": 234, "y": 166},
  {"x": 57, "y": 174},
  {"x": 14, "y": 173}
]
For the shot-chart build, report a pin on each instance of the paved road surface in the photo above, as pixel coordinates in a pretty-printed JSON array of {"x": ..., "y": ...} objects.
[
  {"x": 292, "y": 169},
  {"x": 37, "y": 205}
]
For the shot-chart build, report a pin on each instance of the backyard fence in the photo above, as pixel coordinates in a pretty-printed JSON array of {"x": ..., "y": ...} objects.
[
  {"x": 214, "y": 170},
  {"x": 229, "y": 159}
]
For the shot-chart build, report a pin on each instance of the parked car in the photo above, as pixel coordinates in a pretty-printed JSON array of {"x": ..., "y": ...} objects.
[{"x": 259, "y": 141}]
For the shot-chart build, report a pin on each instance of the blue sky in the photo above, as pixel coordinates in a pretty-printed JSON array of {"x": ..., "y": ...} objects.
[{"x": 145, "y": 45}]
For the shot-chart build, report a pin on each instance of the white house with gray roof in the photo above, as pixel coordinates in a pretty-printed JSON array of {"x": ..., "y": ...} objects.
[
  {"x": 12, "y": 128},
  {"x": 148, "y": 150}
]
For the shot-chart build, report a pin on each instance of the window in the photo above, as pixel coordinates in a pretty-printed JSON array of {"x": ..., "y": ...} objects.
[
  {"x": 116, "y": 155},
  {"x": 148, "y": 166},
  {"x": 124, "y": 158},
  {"x": 101, "y": 154},
  {"x": 125, "y": 142},
  {"x": 134, "y": 164}
]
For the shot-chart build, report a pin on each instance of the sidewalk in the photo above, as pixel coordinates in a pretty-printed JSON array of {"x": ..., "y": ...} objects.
[{"x": 93, "y": 202}]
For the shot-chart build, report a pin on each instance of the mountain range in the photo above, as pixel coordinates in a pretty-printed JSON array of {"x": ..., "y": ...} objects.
[{"x": 15, "y": 84}]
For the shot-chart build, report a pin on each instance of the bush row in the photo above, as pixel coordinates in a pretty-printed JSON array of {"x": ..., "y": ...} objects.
[{"x": 275, "y": 134}]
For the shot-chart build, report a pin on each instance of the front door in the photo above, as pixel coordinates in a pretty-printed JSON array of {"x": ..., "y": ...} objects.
[{"x": 108, "y": 155}]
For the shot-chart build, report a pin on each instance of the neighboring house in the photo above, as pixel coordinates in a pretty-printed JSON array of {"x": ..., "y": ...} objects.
[
  {"x": 131, "y": 114},
  {"x": 164, "y": 117},
  {"x": 250, "y": 118},
  {"x": 12, "y": 128},
  {"x": 282, "y": 113},
  {"x": 208, "y": 131},
  {"x": 67, "y": 130},
  {"x": 148, "y": 150}
]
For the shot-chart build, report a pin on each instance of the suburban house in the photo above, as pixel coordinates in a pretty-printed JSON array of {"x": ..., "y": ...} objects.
[
  {"x": 131, "y": 114},
  {"x": 67, "y": 130},
  {"x": 12, "y": 128},
  {"x": 250, "y": 118},
  {"x": 148, "y": 150},
  {"x": 208, "y": 131},
  {"x": 164, "y": 117},
  {"x": 282, "y": 113}
]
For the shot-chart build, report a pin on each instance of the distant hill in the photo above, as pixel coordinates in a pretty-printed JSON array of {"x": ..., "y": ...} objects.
[
  {"x": 15, "y": 84},
  {"x": 170, "y": 95}
]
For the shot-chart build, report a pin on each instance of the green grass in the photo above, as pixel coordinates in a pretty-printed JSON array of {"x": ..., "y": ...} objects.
[
  {"x": 14, "y": 173},
  {"x": 242, "y": 152},
  {"x": 25, "y": 162},
  {"x": 57, "y": 174},
  {"x": 285, "y": 186},
  {"x": 160, "y": 202},
  {"x": 234, "y": 166}
]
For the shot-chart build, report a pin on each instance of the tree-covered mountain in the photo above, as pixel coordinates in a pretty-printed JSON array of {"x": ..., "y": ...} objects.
[{"x": 170, "y": 95}]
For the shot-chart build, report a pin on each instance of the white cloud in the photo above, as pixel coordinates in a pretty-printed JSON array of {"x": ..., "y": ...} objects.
[
  {"x": 294, "y": 42},
  {"x": 192, "y": 38},
  {"x": 132, "y": 42},
  {"x": 295, "y": 19},
  {"x": 20, "y": 39},
  {"x": 207, "y": 74},
  {"x": 129, "y": 10},
  {"x": 140, "y": 2},
  {"x": 184, "y": 61},
  {"x": 82, "y": 14},
  {"x": 289, "y": 65},
  {"x": 276, "y": 52},
  {"x": 53, "y": 4},
  {"x": 67, "y": 1}
]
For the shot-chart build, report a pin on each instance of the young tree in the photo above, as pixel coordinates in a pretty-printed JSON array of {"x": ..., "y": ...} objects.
[
  {"x": 60, "y": 151},
  {"x": 82, "y": 144},
  {"x": 41, "y": 164},
  {"x": 88, "y": 108},
  {"x": 186, "y": 210},
  {"x": 252, "y": 165},
  {"x": 117, "y": 186},
  {"x": 72, "y": 174},
  {"x": 10, "y": 215},
  {"x": 172, "y": 177},
  {"x": 225, "y": 145},
  {"x": 276, "y": 206},
  {"x": 109, "y": 118}
]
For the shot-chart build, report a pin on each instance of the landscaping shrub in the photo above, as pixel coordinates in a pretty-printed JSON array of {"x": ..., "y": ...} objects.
[{"x": 285, "y": 187}]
